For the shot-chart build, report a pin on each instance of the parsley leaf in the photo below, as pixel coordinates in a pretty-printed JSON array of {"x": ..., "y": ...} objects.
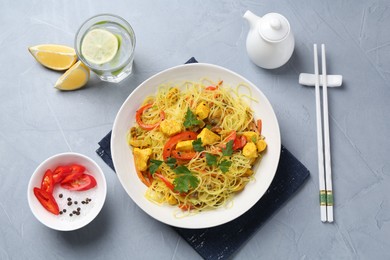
[
  {"x": 211, "y": 159},
  {"x": 228, "y": 150},
  {"x": 185, "y": 180},
  {"x": 197, "y": 144},
  {"x": 171, "y": 162},
  {"x": 224, "y": 165},
  {"x": 190, "y": 119},
  {"x": 154, "y": 165}
]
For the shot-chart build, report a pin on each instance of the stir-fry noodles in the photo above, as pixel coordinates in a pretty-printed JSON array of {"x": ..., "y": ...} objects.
[{"x": 195, "y": 145}]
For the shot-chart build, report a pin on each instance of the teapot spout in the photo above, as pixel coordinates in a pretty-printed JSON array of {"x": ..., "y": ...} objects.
[{"x": 251, "y": 18}]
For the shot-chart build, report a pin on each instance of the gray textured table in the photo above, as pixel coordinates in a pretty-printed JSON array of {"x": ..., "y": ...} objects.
[{"x": 38, "y": 121}]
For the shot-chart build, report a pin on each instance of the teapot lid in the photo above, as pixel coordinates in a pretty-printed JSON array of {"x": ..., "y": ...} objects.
[{"x": 274, "y": 27}]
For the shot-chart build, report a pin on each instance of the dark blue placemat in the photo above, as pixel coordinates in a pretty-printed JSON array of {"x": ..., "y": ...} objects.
[{"x": 223, "y": 241}]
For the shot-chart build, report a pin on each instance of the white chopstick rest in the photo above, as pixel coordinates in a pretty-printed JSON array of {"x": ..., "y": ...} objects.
[
  {"x": 328, "y": 168},
  {"x": 308, "y": 79}
]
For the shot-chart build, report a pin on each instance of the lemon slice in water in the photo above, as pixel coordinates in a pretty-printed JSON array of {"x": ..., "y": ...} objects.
[
  {"x": 99, "y": 46},
  {"x": 74, "y": 78}
]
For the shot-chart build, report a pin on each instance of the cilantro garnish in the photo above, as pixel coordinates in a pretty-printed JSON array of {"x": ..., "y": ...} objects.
[
  {"x": 190, "y": 119},
  {"x": 197, "y": 144},
  {"x": 228, "y": 150},
  {"x": 171, "y": 162},
  {"x": 154, "y": 164},
  {"x": 211, "y": 159},
  {"x": 224, "y": 165},
  {"x": 185, "y": 180}
]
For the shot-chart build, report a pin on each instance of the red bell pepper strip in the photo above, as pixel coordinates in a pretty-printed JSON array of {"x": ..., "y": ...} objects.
[
  {"x": 184, "y": 136},
  {"x": 239, "y": 142},
  {"x": 138, "y": 118},
  {"x": 47, "y": 183},
  {"x": 76, "y": 171},
  {"x": 47, "y": 200},
  {"x": 84, "y": 182},
  {"x": 183, "y": 155},
  {"x": 59, "y": 173},
  {"x": 165, "y": 180}
]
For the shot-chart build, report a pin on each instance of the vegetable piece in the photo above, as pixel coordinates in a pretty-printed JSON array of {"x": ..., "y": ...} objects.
[
  {"x": 228, "y": 150},
  {"x": 183, "y": 155},
  {"x": 60, "y": 172},
  {"x": 47, "y": 183},
  {"x": 197, "y": 145},
  {"x": 168, "y": 147},
  {"x": 154, "y": 165},
  {"x": 202, "y": 110},
  {"x": 166, "y": 181},
  {"x": 211, "y": 159},
  {"x": 259, "y": 126},
  {"x": 171, "y": 162},
  {"x": 185, "y": 180},
  {"x": 84, "y": 182},
  {"x": 251, "y": 136},
  {"x": 138, "y": 118},
  {"x": 76, "y": 171},
  {"x": 225, "y": 165},
  {"x": 147, "y": 180},
  {"x": 261, "y": 145},
  {"x": 208, "y": 137},
  {"x": 250, "y": 150},
  {"x": 239, "y": 142},
  {"x": 47, "y": 200},
  {"x": 190, "y": 119},
  {"x": 141, "y": 157}
]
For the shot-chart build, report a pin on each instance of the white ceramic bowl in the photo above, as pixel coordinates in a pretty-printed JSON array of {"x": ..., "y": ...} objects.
[
  {"x": 124, "y": 162},
  {"x": 88, "y": 211}
]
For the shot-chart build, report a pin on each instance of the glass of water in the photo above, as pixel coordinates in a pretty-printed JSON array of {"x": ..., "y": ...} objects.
[{"x": 105, "y": 43}]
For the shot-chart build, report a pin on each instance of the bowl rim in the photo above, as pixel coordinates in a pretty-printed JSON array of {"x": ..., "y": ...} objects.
[
  {"x": 102, "y": 190},
  {"x": 159, "y": 74}
]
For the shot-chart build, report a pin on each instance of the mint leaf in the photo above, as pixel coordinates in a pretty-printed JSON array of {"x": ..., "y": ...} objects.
[
  {"x": 154, "y": 164},
  {"x": 171, "y": 162},
  {"x": 185, "y": 180},
  {"x": 225, "y": 165},
  {"x": 190, "y": 119},
  {"x": 228, "y": 150},
  {"x": 197, "y": 144},
  {"x": 211, "y": 159}
]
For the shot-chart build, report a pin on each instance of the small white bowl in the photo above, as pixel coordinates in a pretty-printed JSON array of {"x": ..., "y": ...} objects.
[{"x": 88, "y": 212}]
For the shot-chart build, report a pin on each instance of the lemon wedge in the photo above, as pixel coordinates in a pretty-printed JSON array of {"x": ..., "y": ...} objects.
[
  {"x": 74, "y": 78},
  {"x": 99, "y": 46},
  {"x": 52, "y": 56}
]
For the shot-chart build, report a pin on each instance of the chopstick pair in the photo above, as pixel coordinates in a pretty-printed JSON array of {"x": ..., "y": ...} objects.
[{"x": 324, "y": 158}]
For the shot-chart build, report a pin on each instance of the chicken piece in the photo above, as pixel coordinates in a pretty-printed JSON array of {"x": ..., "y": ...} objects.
[
  {"x": 261, "y": 145},
  {"x": 251, "y": 136},
  {"x": 250, "y": 150},
  {"x": 208, "y": 137},
  {"x": 141, "y": 157},
  {"x": 170, "y": 127},
  {"x": 184, "y": 146},
  {"x": 202, "y": 110}
]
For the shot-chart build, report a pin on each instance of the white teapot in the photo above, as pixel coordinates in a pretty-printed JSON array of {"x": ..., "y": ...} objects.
[{"x": 270, "y": 42}]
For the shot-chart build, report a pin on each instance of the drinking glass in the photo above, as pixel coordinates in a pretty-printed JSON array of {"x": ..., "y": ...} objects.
[{"x": 121, "y": 65}]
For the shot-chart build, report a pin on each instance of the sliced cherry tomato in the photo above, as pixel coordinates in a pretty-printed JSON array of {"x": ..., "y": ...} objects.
[
  {"x": 47, "y": 183},
  {"x": 76, "y": 171},
  {"x": 83, "y": 182},
  {"x": 47, "y": 200},
  {"x": 184, "y": 136},
  {"x": 138, "y": 118},
  {"x": 239, "y": 142},
  {"x": 165, "y": 180},
  {"x": 59, "y": 173},
  {"x": 183, "y": 155}
]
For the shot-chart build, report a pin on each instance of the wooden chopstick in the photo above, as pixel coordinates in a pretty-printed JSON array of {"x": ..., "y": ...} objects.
[
  {"x": 328, "y": 168},
  {"x": 321, "y": 173}
]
